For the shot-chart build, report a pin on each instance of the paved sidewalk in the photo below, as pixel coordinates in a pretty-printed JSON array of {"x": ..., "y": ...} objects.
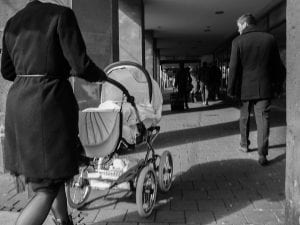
[{"x": 213, "y": 183}]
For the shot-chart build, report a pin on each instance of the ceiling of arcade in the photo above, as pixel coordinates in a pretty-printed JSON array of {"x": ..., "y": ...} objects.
[{"x": 197, "y": 27}]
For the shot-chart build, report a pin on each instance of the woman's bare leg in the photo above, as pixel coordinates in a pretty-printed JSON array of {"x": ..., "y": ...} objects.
[
  {"x": 36, "y": 211},
  {"x": 59, "y": 206}
]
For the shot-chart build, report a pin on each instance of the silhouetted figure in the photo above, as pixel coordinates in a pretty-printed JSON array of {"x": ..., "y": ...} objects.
[
  {"x": 194, "y": 82},
  {"x": 215, "y": 77},
  {"x": 183, "y": 81},
  {"x": 204, "y": 81},
  {"x": 255, "y": 66}
]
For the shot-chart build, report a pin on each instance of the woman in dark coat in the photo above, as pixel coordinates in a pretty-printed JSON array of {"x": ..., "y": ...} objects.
[{"x": 42, "y": 48}]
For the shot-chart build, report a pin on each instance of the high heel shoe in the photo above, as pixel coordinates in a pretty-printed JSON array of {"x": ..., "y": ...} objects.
[{"x": 60, "y": 222}]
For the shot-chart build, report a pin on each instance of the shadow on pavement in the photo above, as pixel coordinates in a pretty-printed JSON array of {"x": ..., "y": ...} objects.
[
  {"x": 270, "y": 147},
  {"x": 278, "y": 158},
  {"x": 220, "y": 105},
  {"x": 209, "y": 192},
  {"x": 185, "y": 136}
]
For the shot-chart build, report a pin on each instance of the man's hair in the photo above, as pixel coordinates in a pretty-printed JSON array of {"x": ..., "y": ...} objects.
[{"x": 248, "y": 18}]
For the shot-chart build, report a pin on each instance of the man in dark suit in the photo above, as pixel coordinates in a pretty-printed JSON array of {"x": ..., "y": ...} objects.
[{"x": 255, "y": 69}]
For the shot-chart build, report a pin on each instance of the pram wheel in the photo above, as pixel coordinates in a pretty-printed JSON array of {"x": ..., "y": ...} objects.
[
  {"x": 165, "y": 172},
  {"x": 78, "y": 190},
  {"x": 146, "y": 191}
]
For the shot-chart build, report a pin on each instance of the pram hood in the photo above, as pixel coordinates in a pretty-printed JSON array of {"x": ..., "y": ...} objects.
[
  {"x": 148, "y": 101},
  {"x": 139, "y": 84},
  {"x": 132, "y": 76}
]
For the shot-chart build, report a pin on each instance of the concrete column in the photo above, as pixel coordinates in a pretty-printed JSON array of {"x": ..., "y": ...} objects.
[
  {"x": 157, "y": 75},
  {"x": 149, "y": 52},
  {"x": 293, "y": 114},
  {"x": 98, "y": 21},
  {"x": 131, "y": 30},
  {"x": 155, "y": 61}
]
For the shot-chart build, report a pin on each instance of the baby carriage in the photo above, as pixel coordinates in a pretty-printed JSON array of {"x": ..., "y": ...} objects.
[{"x": 130, "y": 109}]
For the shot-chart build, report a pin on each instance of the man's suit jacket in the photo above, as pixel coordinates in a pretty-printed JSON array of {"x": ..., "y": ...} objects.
[{"x": 255, "y": 65}]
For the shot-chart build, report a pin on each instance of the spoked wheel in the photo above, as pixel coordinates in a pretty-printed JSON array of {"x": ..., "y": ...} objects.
[
  {"x": 165, "y": 171},
  {"x": 146, "y": 191},
  {"x": 78, "y": 190}
]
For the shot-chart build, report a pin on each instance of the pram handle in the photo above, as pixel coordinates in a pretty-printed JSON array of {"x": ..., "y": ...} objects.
[{"x": 130, "y": 99}]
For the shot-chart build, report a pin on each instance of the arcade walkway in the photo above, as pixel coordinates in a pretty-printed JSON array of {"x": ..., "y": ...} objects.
[{"x": 214, "y": 183}]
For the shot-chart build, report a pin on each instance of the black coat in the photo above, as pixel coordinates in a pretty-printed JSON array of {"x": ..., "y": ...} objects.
[
  {"x": 41, "y": 124},
  {"x": 205, "y": 76},
  {"x": 255, "y": 65},
  {"x": 183, "y": 80}
]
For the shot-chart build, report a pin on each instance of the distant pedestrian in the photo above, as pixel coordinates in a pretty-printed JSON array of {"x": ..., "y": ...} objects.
[
  {"x": 194, "y": 78},
  {"x": 183, "y": 82},
  {"x": 255, "y": 68},
  {"x": 42, "y": 48},
  {"x": 204, "y": 81},
  {"x": 215, "y": 77}
]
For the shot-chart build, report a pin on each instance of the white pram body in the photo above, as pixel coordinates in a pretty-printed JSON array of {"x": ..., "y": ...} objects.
[
  {"x": 130, "y": 109},
  {"x": 101, "y": 128},
  {"x": 150, "y": 112}
]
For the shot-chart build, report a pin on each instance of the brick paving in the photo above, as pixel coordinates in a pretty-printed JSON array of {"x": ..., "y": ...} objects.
[{"x": 213, "y": 182}]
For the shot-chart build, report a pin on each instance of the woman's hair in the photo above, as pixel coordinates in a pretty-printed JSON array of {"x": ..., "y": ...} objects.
[{"x": 248, "y": 18}]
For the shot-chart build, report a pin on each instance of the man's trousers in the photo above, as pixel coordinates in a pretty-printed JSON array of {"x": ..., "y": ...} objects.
[{"x": 262, "y": 113}]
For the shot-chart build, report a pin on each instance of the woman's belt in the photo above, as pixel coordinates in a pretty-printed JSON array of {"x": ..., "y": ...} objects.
[
  {"x": 32, "y": 75},
  {"x": 43, "y": 75}
]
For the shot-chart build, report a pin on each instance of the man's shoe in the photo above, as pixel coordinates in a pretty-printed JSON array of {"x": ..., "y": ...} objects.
[
  {"x": 263, "y": 161},
  {"x": 244, "y": 149}
]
